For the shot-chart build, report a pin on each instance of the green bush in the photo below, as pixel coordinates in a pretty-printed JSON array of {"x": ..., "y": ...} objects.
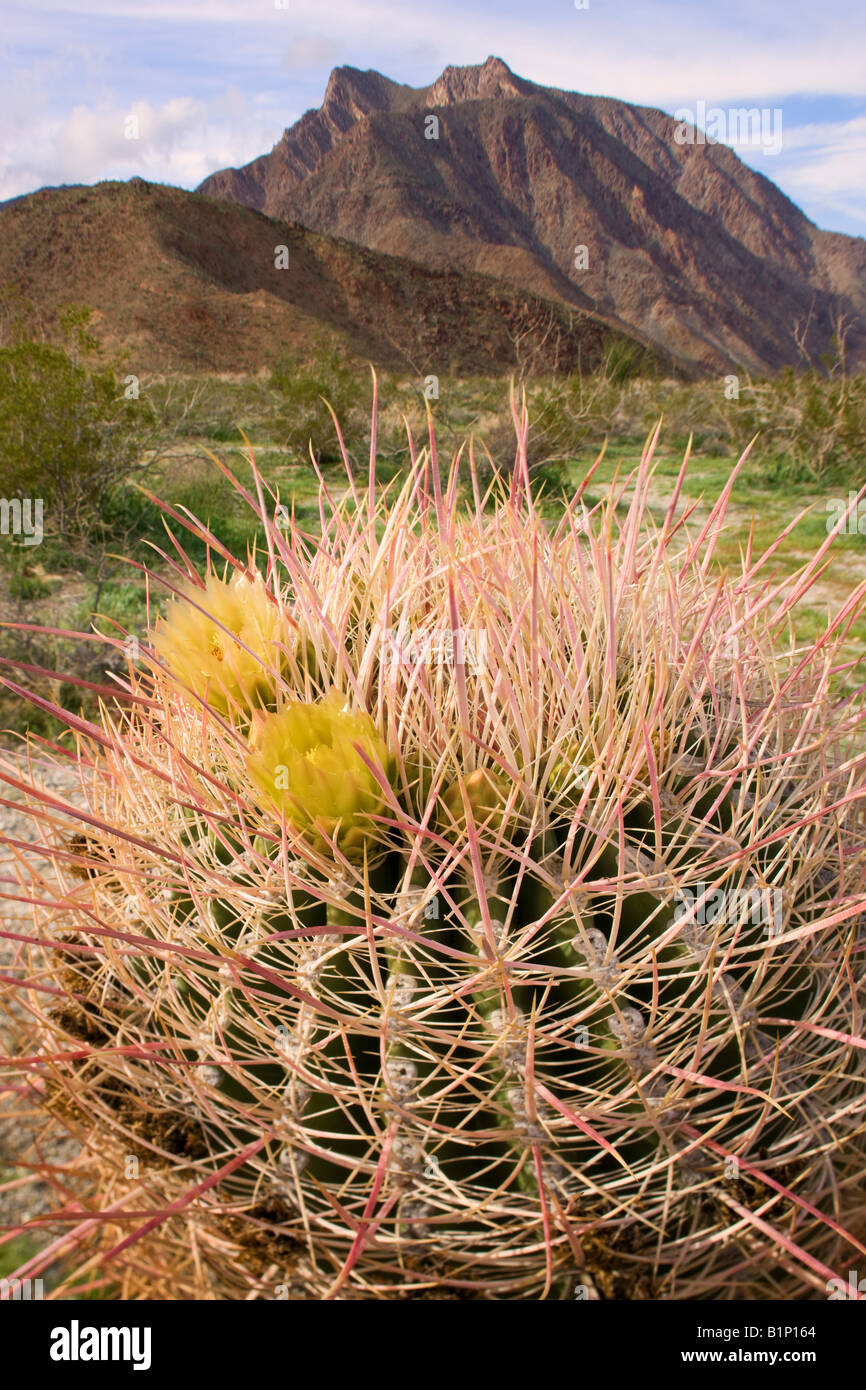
[
  {"x": 625, "y": 359},
  {"x": 304, "y": 386},
  {"x": 813, "y": 426},
  {"x": 68, "y": 435},
  {"x": 25, "y": 585},
  {"x": 117, "y": 602}
]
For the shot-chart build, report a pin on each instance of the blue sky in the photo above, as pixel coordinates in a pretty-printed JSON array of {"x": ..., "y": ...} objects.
[{"x": 215, "y": 82}]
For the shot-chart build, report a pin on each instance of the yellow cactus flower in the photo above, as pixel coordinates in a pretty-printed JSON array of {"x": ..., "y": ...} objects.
[
  {"x": 203, "y": 650},
  {"x": 305, "y": 760}
]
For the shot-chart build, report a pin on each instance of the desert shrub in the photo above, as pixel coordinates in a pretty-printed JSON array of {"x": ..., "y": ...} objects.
[
  {"x": 68, "y": 435},
  {"x": 812, "y": 425},
  {"x": 625, "y": 359},
  {"x": 25, "y": 584},
  {"x": 306, "y": 386}
]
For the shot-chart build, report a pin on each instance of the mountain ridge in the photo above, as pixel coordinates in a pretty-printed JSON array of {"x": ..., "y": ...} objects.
[
  {"x": 687, "y": 246},
  {"x": 181, "y": 281}
]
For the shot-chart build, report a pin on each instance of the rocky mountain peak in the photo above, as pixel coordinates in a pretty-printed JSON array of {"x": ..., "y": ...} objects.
[
  {"x": 585, "y": 200},
  {"x": 483, "y": 81},
  {"x": 356, "y": 92}
]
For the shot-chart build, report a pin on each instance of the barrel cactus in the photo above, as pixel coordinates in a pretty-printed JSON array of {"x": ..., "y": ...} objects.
[{"x": 465, "y": 905}]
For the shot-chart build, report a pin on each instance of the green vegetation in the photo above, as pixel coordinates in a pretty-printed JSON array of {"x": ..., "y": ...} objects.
[
  {"x": 72, "y": 434},
  {"x": 305, "y": 390},
  {"x": 15, "y": 1252}
]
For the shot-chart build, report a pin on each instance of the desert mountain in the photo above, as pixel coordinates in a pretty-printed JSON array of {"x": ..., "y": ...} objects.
[
  {"x": 686, "y": 245},
  {"x": 183, "y": 281}
]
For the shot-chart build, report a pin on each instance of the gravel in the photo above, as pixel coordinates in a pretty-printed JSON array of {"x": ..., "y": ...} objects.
[{"x": 21, "y": 1133}]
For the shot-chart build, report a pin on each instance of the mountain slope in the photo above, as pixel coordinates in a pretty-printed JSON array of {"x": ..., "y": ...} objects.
[
  {"x": 182, "y": 281},
  {"x": 686, "y": 245}
]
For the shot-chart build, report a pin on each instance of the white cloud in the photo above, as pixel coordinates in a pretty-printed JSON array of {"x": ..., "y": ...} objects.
[
  {"x": 91, "y": 140},
  {"x": 180, "y": 141},
  {"x": 660, "y": 54},
  {"x": 831, "y": 157},
  {"x": 824, "y": 169},
  {"x": 212, "y": 80}
]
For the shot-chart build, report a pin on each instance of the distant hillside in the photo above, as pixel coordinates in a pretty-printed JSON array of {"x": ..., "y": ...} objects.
[
  {"x": 184, "y": 281},
  {"x": 687, "y": 246}
]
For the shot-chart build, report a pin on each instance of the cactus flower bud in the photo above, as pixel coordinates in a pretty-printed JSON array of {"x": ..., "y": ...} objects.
[
  {"x": 306, "y": 761},
  {"x": 487, "y": 795},
  {"x": 569, "y": 776},
  {"x": 203, "y": 650}
]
